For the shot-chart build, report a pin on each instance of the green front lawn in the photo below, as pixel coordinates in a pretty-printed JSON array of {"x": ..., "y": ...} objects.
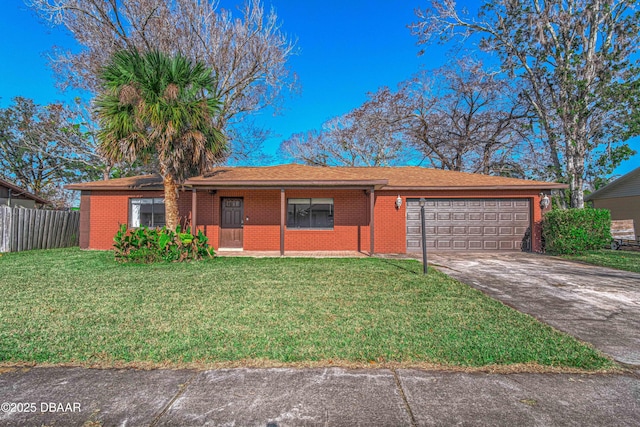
[
  {"x": 81, "y": 307},
  {"x": 622, "y": 259}
]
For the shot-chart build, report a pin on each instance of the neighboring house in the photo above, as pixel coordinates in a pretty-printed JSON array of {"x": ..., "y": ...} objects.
[
  {"x": 621, "y": 197},
  {"x": 14, "y": 196},
  {"x": 306, "y": 208}
]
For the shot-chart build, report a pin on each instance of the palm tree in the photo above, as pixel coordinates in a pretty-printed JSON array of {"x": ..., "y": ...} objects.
[{"x": 160, "y": 108}]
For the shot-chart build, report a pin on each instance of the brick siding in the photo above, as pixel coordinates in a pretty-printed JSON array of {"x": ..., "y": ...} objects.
[{"x": 109, "y": 209}]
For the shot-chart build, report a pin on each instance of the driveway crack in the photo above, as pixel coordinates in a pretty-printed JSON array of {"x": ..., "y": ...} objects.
[
  {"x": 404, "y": 398},
  {"x": 181, "y": 390}
]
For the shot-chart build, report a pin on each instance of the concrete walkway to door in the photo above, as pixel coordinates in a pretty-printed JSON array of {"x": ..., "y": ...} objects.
[
  {"x": 595, "y": 304},
  {"x": 292, "y": 254}
]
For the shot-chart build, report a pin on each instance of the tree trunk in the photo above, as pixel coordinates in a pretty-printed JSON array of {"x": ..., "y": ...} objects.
[
  {"x": 106, "y": 172},
  {"x": 171, "y": 202},
  {"x": 577, "y": 194}
]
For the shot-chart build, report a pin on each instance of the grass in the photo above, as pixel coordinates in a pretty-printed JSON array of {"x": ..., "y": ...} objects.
[
  {"x": 622, "y": 259},
  {"x": 72, "y": 306}
]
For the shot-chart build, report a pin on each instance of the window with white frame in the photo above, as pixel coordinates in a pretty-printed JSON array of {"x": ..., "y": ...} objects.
[
  {"x": 310, "y": 213},
  {"x": 146, "y": 212}
]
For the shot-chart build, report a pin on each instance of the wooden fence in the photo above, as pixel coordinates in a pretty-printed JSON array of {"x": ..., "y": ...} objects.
[{"x": 25, "y": 229}]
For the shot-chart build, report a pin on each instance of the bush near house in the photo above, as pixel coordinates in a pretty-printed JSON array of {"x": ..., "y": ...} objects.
[
  {"x": 574, "y": 231},
  {"x": 148, "y": 245}
]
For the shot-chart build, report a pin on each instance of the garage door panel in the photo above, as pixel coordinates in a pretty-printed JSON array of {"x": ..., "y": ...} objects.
[
  {"x": 469, "y": 224},
  {"x": 459, "y": 244},
  {"x": 413, "y": 216},
  {"x": 474, "y": 231},
  {"x": 520, "y": 230},
  {"x": 506, "y": 245},
  {"x": 459, "y": 231},
  {"x": 490, "y": 231},
  {"x": 443, "y": 244},
  {"x": 443, "y": 231},
  {"x": 475, "y": 244},
  {"x": 490, "y": 216},
  {"x": 413, "y": 244},
  {"x": 491, "y": 245},
  {"x": 414, "y": 229},
  {"x": 506, "y": 231},
  {"x": 459, "y": 216}
]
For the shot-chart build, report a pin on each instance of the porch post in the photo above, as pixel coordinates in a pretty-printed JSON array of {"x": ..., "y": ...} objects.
[
  {"x": 283, "y": 209},
  {"x": 194, "y": 207},
  {"x": 372, "y": 199}
]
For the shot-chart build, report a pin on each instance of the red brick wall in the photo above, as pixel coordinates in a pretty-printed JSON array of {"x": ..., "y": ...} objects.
[
  {"x": 109, "y": 209},
  {"x": 85, "y": 218}
]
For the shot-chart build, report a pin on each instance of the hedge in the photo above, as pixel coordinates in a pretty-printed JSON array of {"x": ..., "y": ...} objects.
[{"x": 574, "y": 231}]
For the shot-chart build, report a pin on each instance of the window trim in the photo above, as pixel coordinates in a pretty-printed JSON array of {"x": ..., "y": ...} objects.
[
  {"x": 153, "y": 204},
  {"x": 311, "y": 199}
]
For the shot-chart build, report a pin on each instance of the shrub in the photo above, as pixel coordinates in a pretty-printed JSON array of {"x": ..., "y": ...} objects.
[
  {"x": 147, "y": 245},
  {"x": 573, "y": 231}
]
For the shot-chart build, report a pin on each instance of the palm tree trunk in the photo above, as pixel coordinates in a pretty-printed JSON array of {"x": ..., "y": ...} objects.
[{"x": 171, "y": 202}]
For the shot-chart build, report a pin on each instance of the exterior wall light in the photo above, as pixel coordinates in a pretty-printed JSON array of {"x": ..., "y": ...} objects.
[
  {"x": 544, "y": 202},
  {"x": 398, "y": 202}
]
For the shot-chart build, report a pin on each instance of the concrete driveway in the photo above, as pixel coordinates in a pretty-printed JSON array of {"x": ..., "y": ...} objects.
[{"x": 595, "y": 304}]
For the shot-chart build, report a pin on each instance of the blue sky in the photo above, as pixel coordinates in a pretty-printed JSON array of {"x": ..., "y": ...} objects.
[{"x": 345, "y": 49}]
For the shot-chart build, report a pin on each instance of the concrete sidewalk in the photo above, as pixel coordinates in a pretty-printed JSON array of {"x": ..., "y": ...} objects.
[{"x": 312, "y": 397}]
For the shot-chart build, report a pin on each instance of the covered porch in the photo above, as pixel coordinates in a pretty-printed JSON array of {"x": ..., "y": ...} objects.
[{"x": 276, "y": 197}]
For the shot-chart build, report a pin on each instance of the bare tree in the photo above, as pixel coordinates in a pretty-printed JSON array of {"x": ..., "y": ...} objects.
[
  {"x": 248, "y": 54},
  {"x": 44, "y": 147},
  {"x": 370, "y": 135},
  {"x": 574, "y": 57},
  {"x": 458, "y": 118},
  {"x": 466, "y": 119}
]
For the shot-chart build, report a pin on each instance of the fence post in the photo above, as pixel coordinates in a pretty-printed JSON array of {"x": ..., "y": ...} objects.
[{"x": 5, "y": 229}]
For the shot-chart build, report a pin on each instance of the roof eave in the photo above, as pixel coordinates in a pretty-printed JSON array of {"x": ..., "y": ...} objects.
[
  {"x": 81, "y": 187},
  {"x": 378, "y": 183},
  {"x": 543, "y": 186}
]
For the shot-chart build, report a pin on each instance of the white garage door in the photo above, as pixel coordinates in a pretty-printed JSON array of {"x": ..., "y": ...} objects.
[{"x": 469, "y": 224}]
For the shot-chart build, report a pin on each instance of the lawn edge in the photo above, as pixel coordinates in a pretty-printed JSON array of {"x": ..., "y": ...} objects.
[
  {"x": 590, "y": 264},
  {"x": 268, "y": 364}
]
